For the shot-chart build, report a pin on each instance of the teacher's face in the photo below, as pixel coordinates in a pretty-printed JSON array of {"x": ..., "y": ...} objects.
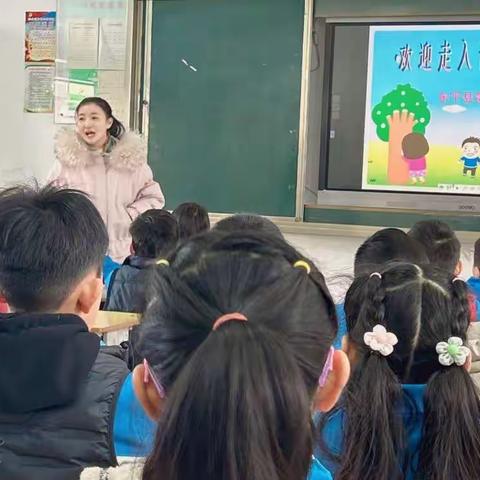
[{"x": 92, "y": 125}]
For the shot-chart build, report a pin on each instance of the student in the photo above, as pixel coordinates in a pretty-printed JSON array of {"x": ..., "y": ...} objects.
[
  {"x": 110, "y": 164},
  {"x": 154, "y": 233},
  {"x": 64, "y": 402},
  {"x": 410, "y": 410},
  {"x": 192, "y": 219},
  {"x": 441, "y": 244},
  {"x": 384, "y": 246},
  {"x": 248, "y": 222},
  {"x": 236, "y": 353},
  {"x": 443, "y": 249},
  {"x": 474, "y": 281}
]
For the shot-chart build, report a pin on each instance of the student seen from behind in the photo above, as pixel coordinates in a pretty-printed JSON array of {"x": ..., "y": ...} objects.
[
  {"x": 192, "y": 219},
  {"x": 441, "y": 244},
  {"x": 410, "y": 410},
  {"x": 237, "y": 350},
  {"x": 61, "y": 395},
  {"x": 154, "y": 233},
  {"x": 384, "y": 246},
  {"x": 248, "y": 222},
  {"x": 443, "y": 249}
]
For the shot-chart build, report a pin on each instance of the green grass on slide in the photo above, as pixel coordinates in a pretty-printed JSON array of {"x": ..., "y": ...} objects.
[{"x": 443, "y": 166}]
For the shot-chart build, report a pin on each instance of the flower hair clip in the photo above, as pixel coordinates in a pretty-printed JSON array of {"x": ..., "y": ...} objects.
[
  {"x": 452, "y": 351},
  {"x": 381, "y": 341}
]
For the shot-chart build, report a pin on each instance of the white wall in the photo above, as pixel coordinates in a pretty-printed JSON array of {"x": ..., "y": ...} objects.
[{"x": 26, "y": 139}]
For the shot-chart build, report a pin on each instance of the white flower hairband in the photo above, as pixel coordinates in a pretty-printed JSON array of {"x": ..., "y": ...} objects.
[
  {"x": 379, "y": 340},
  {"x": 452, "y": 352}
]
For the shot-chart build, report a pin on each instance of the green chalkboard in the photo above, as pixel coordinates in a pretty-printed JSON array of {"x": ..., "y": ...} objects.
[
  {"x": 225, "y": 103},
  {"x": 390, "y": 8}
]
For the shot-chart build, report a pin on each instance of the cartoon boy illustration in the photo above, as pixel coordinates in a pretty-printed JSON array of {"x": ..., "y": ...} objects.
[
  {"x": 415, "y": 148},
  {"x": 470, "y": 159}
]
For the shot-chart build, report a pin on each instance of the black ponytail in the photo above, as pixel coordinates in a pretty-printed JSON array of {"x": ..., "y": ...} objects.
[
  {"x": 117, "y": 129},
  {"x": 238, "y": 398},
  {"x": 373, "y": 440},
  {"x": 450, "y": 446}
]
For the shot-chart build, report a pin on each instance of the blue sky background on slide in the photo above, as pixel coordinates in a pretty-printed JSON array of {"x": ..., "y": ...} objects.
[{"x": 450, "y": 81}]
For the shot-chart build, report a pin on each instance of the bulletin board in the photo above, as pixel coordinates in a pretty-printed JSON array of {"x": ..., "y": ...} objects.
[{"x": 93, "y": 55}]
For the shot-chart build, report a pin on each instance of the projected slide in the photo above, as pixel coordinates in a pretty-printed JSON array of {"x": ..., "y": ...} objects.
[{"x": 422, "y": 126}]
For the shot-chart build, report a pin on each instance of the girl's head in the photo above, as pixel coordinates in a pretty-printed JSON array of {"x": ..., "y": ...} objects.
[
  {"x": 238, "y": 396},
  {"x": 387, "y": 245},
  {"x": 422, "y": 307},
  {"x": 415, "y": 145},
  {"x": 94, "y": 121},
  {"x": 192, "y": 219},
  {"x": 248, "y": 222}
]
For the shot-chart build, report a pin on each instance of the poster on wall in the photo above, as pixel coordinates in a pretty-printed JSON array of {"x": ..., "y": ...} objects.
[
  {"x": 40, "y": 37},
  {"x": 39, "y": 88},
  {"x": 422, "y": 123},
  {"x": 83, "y": 43}
]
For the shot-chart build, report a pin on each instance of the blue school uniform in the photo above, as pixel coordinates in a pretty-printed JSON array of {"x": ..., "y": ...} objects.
[
  {"x": 413, "y": 419},
  {"x": 133, "y": 431},
  {"x": 474, "y": 285},
  {"x": 342, "y": 326},
  {"x": 318, "y": 471},
  {"x": 109, "y": 266}
]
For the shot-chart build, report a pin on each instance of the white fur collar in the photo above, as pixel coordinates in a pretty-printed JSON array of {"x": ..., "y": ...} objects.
[{"x": 129, "y": 153}]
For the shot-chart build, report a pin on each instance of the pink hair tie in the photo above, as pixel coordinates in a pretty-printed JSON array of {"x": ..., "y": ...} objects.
[
  {"x": 228, "y": 317},
  {"x": 148, "y": 375},
  {"x": 327, "y": 368}
]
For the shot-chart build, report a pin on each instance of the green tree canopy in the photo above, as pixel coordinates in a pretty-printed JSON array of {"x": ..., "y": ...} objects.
[{"x": 404, "y": 97}]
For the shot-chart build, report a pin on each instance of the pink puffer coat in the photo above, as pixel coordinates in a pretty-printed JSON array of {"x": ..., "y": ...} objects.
[{"x": 120, "y": 183}]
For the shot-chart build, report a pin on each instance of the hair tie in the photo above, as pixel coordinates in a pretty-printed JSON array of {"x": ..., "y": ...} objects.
[
  {"x": 376, "y": 274},
  {"x": 381, "y": 341},
  {"x": 452, "y": 351},
  {"x": 327, "y": 368},
  {"x": 303, "y": 264},
  {"x": 163, "y": 261},
  {"x": 228, "y": 317},
  {"x": 456, "y": 279}
]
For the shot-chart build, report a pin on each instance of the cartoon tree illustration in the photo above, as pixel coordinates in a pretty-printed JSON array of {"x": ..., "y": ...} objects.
[{"x": 402, "y": 111}]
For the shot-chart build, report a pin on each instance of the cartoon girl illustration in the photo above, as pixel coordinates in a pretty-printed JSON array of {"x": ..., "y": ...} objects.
[{"x": 415, "y": 148}]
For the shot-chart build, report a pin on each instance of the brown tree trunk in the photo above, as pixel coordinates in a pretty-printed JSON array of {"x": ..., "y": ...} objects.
[{"x": 401, "y": 124}]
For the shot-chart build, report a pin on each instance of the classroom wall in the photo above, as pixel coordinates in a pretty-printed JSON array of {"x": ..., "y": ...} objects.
[{"x": 26, "y": 139}]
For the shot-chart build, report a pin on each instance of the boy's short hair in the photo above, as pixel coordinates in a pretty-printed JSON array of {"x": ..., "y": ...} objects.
[
  {"x": 471, "y": 140},
  {"x": 248, "y": 222},
  {"x": 192, "y": 219},
  {"x": 50, "y": 238},
  {"x": 154, "y": 233},
  {"x": 387, "y": 245},
  {"x": 441, "y": 244}
]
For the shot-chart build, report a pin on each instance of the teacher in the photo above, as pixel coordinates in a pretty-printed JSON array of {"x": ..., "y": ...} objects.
[{"x": 109, "y": 164}]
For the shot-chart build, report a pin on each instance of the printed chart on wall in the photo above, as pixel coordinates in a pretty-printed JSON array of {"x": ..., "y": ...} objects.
[
  {"x": 422, "y": 125},
  {"x": 40, "y": 48}
]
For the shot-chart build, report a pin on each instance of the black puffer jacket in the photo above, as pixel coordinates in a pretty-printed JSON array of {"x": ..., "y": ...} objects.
[
  {"x": 128, "y": 286},
  {"x": 58, "y": 394}
]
